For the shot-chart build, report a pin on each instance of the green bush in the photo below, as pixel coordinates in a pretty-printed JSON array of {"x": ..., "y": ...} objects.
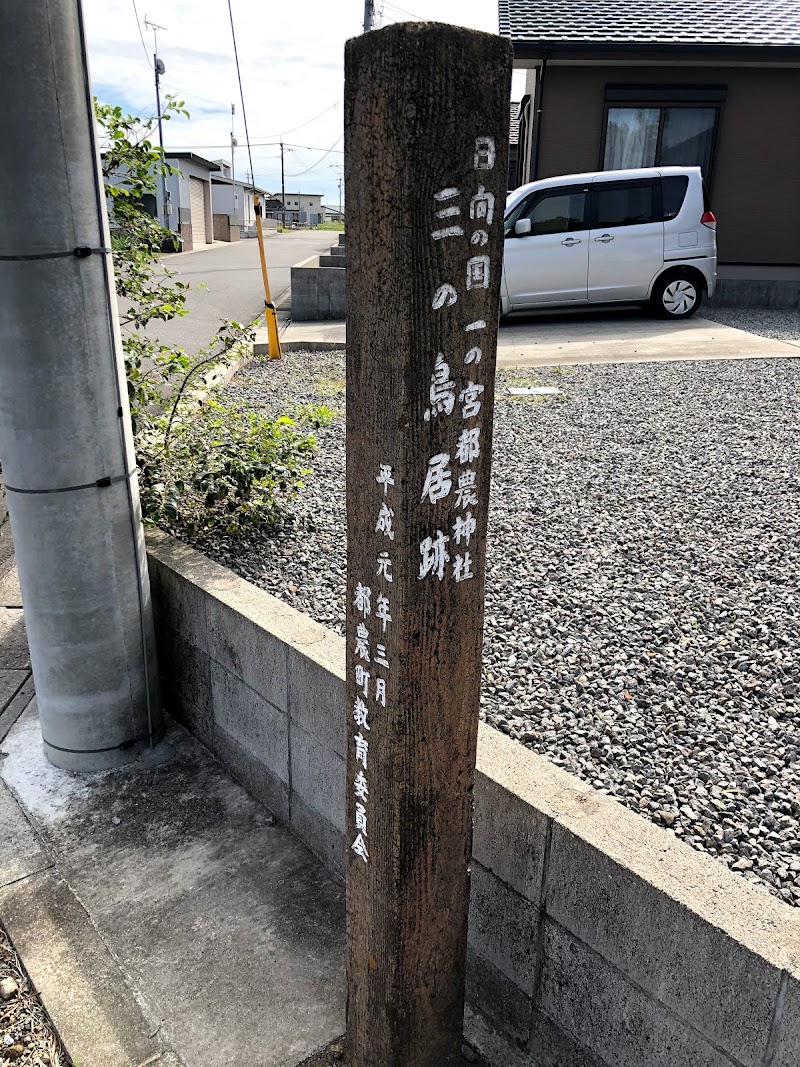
[{"x": 204, "y": 464}]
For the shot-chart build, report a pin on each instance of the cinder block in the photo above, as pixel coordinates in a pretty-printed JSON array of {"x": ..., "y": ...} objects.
[
  {"x": 249, "y": 651},
  {"x": 320, "y": 835},
  {"x": 199, "y": 722},
  {"x": 178, "y": 602},
  {"x": 503, "y": 928},
  {"x": 253, "y": 774},
  {"x": 786, "y": 1041},
  {"x": 184, "y": 667},
  {"x": 318, "y": 777},
  {"x": 714, "y": 981},
  {"x": 601, "y": 1010},
  {"x": 509, "y": 837},
  {"x": 498, "y": 1000},
  {"x": 253, "y": 722},
  {"x": 317, "y": 691}
]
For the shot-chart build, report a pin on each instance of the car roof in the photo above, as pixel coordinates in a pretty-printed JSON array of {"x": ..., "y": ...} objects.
[{"x": 598, "y": 175}]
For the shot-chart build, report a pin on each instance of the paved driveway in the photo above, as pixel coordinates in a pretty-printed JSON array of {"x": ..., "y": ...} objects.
[
  {"x": 232, "y": 274},
  {"x": 565, "y": 338}
]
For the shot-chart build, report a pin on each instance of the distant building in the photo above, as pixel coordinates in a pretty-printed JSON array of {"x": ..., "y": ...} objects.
[
  {"x": 305, "y": 209},
  {"x": 233, "y": 196}
]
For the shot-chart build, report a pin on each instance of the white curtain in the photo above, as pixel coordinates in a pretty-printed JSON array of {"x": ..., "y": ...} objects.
[{"x": 631, "y": 137}]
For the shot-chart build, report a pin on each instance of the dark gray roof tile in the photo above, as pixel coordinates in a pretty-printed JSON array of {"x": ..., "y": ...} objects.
[{"x": 711, "y": 23}]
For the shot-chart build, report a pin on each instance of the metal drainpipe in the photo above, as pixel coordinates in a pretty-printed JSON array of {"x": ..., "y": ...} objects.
[
  {"x": 65, "y": 430},
  {"x": 539, "y": 105}
]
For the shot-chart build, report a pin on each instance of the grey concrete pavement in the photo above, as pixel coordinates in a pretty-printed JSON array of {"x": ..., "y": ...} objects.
[
  {"x": 232, "y": 275},
  {"x": 566, "y": 338},
  {"x": 162, "y": 913}
]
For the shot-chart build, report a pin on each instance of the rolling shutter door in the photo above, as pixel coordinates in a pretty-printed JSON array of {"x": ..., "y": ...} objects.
[{"x": 197, "y": 203}]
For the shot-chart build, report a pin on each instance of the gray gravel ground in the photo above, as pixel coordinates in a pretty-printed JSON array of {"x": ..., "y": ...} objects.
[
  {"x": 780, "y": 325},
  {"x": 643, "y": 591}
]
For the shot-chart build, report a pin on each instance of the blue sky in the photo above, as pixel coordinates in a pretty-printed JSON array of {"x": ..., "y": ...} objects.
[{"x": 292, "y": 64}]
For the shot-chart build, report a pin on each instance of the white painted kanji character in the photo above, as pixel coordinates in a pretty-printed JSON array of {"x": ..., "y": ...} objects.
[
  {"x": 380, "y": 690},
  {"x": 362, "y": 678},
  {"x": 384, "y": 567},
  {"x": 474, "y": 356},
  {"x": 362, "y": 748},
  {"x": 361, "y": 819},
  {"x": 442, "y": 391},
  {"x": 464, "y": 528},
  {"x": 481, "y": 206},
  {"x": 360, "y": 714},
  {"x": 438, "y": 479},
  {"x": 384, "y": 477},
  {"x": 360, "y": 786},
  {"x": 480, "y": 238},
  {"x": 453, "y": 230},
  {"x": 362, "y": 600},
  {"x": 445, "y": 295},
  {"x": 384, "y": 523},
  {"x": 380, "y": 656},
  {"x": 362, "y": 641},
  {"x": 359, "y": 846},
  {"x": 465, "y": 494},
  {"x": 468, "y": 445},
  {"x": 485, "y": 153},
  {"x": 461, "y": 567},
  {"x": 434, "y": 555},
  {"x": 478, "y": 272},
  {"x": 478, "y": 324},
  {"x": 469, "y": 398},
  {"x": 382, "y": 610}
]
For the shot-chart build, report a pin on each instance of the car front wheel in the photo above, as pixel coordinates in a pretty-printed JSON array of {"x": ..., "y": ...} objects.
[{"x": 676, "y": 297}]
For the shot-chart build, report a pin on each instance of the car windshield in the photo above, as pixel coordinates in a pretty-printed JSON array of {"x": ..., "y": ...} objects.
[{"x": 513, "y": 206}]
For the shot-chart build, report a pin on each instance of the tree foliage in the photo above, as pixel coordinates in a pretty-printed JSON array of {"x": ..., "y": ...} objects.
[{"x": 203, "y": 463}]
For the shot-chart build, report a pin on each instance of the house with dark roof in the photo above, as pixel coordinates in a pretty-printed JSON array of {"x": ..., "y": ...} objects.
[{"x": 630, "y": 83}]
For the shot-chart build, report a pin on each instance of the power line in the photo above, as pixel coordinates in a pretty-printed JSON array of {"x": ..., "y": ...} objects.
[
  {"x": 314, "y": 167},
  {"x": 141, "y": 35},
  {"x": 403, "y": 11},
  {"x": 241, "y": 90},
  {"x": 307, "y": 123}
]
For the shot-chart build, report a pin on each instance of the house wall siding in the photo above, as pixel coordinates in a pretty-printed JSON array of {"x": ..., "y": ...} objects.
[{"x": 756, "y": 180}]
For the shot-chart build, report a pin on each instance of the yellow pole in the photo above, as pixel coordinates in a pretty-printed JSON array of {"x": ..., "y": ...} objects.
[{"x": 270, "y": 313}]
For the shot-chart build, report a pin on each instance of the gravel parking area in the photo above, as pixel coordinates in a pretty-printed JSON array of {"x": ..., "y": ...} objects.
[
  {"x": 643, "y": 589},
  {"x": 779, "y": 325}
]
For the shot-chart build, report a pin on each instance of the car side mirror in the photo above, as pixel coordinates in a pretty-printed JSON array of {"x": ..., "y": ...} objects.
[{"x": 522, "y": 227}]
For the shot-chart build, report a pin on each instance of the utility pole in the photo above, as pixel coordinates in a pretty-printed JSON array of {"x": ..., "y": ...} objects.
[
  {"x": 340, "y": 197},
  {"x": 369, "y": 15},
  {"x": 234, "y": 143},
  {"x": 425, "y": 238},
  {"x": 283, "y": 190},
  {"x": 159, "y": 69},
  {"x": 66, "y": 444}
]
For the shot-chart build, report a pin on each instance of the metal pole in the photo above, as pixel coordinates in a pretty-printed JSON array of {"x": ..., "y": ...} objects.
[
  {"x": 283, "y": 190},
  {"x": 233, "y": 161},
  {"x": 66, "y": 445}
]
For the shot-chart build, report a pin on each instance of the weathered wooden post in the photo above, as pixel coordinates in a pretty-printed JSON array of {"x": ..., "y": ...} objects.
[{"x": 426, "y": 128}]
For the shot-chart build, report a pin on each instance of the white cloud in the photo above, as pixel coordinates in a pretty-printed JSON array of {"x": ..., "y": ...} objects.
[{"x": 292, "y": 63}]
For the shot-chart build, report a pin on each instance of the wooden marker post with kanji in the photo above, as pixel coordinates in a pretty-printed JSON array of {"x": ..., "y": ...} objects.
[{"x": 426, "y": 167}]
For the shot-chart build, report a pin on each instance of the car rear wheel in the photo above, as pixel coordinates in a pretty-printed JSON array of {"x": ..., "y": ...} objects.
[{"x": 677, "y": 297}]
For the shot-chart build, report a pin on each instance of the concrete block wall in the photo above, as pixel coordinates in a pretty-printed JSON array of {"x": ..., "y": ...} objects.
[
  {"x": 318, "y": 292},
  {"x": 596, "y": 939},
  {"x": 225, "y": 228}
]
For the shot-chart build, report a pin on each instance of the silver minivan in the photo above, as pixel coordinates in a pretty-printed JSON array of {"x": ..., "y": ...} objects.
[{"x": 643, "y": 236}]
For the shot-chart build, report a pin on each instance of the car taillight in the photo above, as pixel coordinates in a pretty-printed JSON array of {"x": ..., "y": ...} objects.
[{"x": 709, "y": 220}]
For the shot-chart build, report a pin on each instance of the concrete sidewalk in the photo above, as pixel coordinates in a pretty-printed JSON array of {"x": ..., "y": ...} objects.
[
  {"x": 570, "y": 338},
  {"x": 162, "y": 913}
]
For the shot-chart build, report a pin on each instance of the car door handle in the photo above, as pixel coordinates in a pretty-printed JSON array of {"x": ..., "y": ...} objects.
[
  {"x": 605, "y": 238},
  {"x": 570, "y": 241}
]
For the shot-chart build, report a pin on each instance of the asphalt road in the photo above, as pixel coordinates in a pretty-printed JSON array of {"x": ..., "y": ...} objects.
[{"x": 232, "y": 274}]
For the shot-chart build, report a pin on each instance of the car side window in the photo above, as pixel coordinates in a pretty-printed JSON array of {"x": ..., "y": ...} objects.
[
  {"x": 673, "y": 190},
  {"x": 556, "y": 211},
  {"x": 626, "y": 203}
]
